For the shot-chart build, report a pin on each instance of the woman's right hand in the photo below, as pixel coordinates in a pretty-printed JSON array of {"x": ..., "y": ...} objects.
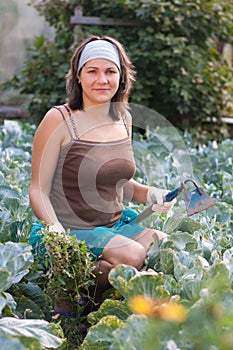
[{"x": 57, "y": 227}]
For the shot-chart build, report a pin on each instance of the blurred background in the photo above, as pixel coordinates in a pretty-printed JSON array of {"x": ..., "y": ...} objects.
[{"x": 19, "y": 25}]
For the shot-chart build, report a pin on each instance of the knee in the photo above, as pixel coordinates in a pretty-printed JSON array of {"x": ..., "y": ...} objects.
[{"x": 133, "y": 255}]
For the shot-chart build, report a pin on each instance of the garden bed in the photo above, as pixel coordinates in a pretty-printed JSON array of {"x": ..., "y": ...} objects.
[{"x": 182, "y": 298}]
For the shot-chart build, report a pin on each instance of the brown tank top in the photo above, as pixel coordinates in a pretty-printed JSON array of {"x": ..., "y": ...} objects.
[{"x": 87, "y": 189}]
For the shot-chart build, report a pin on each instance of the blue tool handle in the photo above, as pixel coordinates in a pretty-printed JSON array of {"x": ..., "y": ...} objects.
[
  {"x": 171, "y": 195},
  {"x": 148, "y": 211}
]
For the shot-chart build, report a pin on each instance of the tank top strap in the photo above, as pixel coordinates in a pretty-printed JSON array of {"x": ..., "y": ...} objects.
[
  {"x": 58, "y": 108},
  {"x": 125, "y": 124},
  {"x": 71, "y": 117}
]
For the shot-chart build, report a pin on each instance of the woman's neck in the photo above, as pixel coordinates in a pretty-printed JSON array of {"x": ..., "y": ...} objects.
[{"x": 98, "y": 112}]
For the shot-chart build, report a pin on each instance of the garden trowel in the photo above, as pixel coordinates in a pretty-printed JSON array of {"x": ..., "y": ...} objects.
[{"x": 196, "y": 201}]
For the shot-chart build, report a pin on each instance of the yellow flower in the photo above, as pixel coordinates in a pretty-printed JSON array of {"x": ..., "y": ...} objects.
[
  {"x": 172, "y": 312},
  {"x": 140, "y": 304}
]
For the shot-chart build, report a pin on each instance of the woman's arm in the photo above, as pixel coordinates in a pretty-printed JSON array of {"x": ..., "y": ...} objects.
[
  {"x": 133, "y": 190},
  {"x": 136, "y": 192},
  {"x": 45, "y": 152}
]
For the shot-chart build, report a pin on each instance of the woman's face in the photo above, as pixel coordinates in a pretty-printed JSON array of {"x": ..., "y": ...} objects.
[{"x": 100, "y": 81}]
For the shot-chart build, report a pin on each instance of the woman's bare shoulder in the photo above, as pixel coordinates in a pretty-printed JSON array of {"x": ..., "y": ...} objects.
[
  {"x": 54, "y": 117},
  {"x": 52, "y": 121},
  {"x": 55, "y": 114}
]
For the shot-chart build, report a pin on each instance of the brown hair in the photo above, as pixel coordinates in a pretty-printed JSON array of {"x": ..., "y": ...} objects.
[{"x": 74, "y": 88}]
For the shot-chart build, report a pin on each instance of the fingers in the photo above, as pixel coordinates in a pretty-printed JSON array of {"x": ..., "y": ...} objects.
[
  {"x": 57, "y": 227},
  {"x": 163, "y": 208},
  {"x": 156, "y": 196}
]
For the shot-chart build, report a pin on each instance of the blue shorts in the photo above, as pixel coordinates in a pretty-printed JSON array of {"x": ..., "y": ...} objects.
[{"x": 95, "y": 239}]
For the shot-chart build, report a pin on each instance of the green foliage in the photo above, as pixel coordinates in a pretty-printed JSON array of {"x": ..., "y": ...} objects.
[
  {"x": 69, "y": 279},
  {"x": 15, "y": 261},
  {"x": 19, "y": 343},
  {"x": 40, "y": 332},
  {"x": 101, "y": 334},
  {"x": 181, "y": 73},
  {"x": 108, "y": 333},
  {"x": 71, "y": 267},
  {"x": 192, "y": 266},
  {"x": 132, "y": 282},
  {"x": 15, "y": 151},
  {"x": 211, "y": 310},
  {"x": 118, "y": 308},
  {"x": 43, "y": 78}
]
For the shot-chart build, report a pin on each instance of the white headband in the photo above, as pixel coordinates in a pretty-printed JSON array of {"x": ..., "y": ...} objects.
[{"x": 99, "y": 49}]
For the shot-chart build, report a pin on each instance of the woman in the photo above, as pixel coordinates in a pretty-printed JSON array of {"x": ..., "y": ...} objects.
[{"x": 83, "y": 165}]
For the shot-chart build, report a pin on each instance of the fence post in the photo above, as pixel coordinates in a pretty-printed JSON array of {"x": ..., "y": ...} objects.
[{"x": 78, "y": 13}]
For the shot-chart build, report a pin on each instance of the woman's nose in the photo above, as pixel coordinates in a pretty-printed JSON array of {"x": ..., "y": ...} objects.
[{"x": 102, "y": 78}]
